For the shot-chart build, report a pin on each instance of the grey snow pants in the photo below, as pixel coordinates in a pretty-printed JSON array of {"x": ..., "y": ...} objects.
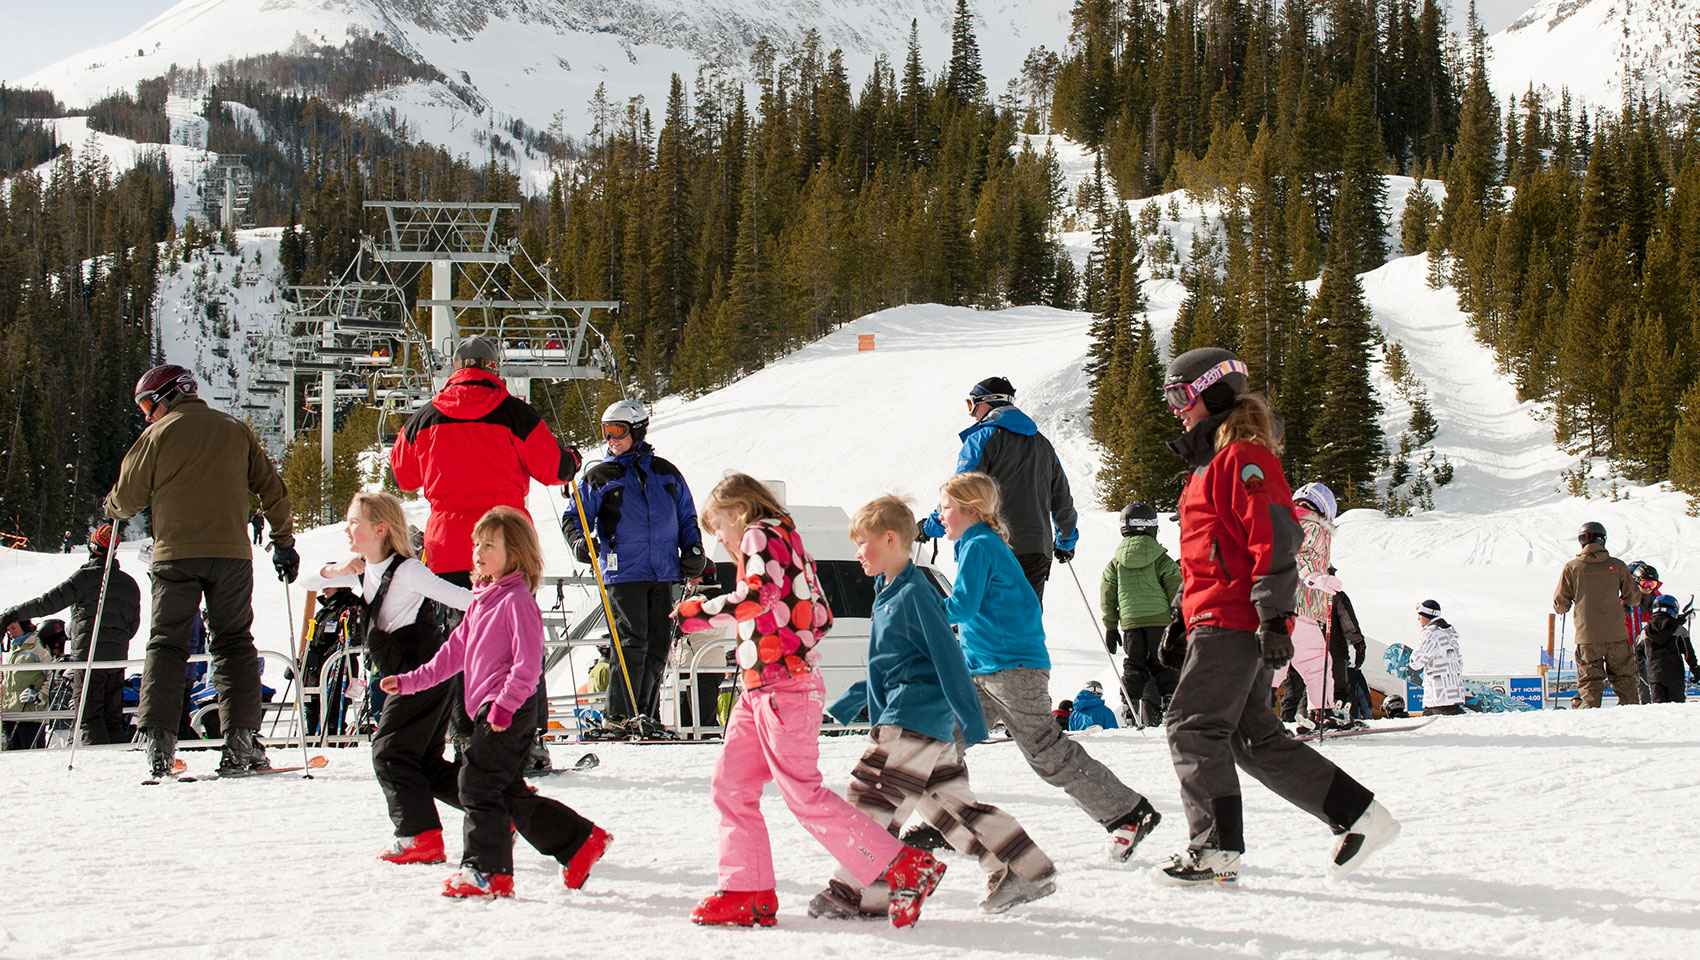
[
  {"x": 1220, "y": 716},
  {"x": 1021, "y": 698}
]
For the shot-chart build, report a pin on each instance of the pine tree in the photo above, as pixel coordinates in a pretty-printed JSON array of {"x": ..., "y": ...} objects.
[
  {"x": 1345, "y": 436},
  {"x": 1685, "y": 449},
  {"x": 965, "y": 83}
]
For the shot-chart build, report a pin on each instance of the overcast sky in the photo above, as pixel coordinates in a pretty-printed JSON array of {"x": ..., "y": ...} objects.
[{"x": 39, "y": 32}]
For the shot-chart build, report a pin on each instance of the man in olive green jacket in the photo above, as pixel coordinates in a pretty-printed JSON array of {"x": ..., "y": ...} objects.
[
  {"x": 1600, "y": 587},
  {"x": 195, "y": 467},
  {"x": 1136, "y": 592}
]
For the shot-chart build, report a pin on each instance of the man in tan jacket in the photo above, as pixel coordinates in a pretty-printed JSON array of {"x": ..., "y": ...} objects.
[
  {"x": 195, "y": 467},
  {"x": 1600, "y": 587}
]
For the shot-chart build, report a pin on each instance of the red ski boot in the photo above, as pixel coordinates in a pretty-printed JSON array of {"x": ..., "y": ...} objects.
[
  {"x": 424, "y": 848},
  {"x": 912, "y": 876},
  {"x": 741, "y": 908},
  {"x": 578, "y": 868},
  {"x": 468, "y": 882}
]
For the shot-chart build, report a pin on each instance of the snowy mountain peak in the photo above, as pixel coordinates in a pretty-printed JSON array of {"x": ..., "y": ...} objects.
[{"x": 1599, "y": 49}]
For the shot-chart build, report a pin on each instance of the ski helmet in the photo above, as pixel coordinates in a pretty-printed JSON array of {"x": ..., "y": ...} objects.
[
  {"x": 51, "y": 635},
  {"x": 476, "y": 352},
  {"x": 1093, "y": 686},
  {"x": 1139, "y": 518},
  {"x": 1211, "y": 374},
  {"x": 164, "y": 384},
  {"x": 628, "y": 414},
  {"x": 1591, "y": 532},
  {"x": 997, "y": 391},
  {"x": 1642, "y": 570},
  {"x": 1318, "y": 496},
  {"x": 1666, "y": 604},
  {"x": 1393, "y": 706}
]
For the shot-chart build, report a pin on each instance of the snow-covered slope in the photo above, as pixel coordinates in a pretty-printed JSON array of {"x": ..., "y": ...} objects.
[
  {"x": 531, "y": 59},
  {"x": 1599, "y": 49},
  {"x": 1531, "y": 836}
]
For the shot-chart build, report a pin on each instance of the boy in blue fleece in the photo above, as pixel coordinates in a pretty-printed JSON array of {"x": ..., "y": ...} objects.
[
  {"x": 918, "y": 696},
  {"x": 1003, "y": 640}
]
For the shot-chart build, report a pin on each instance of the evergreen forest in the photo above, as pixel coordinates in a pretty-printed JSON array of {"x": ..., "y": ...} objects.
[{"x": 738, "y": 221}]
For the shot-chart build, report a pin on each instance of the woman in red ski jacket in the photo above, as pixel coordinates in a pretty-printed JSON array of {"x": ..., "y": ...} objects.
[{"x": 1239, "y": 544}]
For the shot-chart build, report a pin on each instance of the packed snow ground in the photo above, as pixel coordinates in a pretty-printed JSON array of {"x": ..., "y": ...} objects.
[{"x": 1543, "y": 836}]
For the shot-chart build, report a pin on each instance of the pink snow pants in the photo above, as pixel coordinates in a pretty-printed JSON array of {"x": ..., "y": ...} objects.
[
  {"x": 774, "y": 734},
  {"x": 1310, "y": 653}
]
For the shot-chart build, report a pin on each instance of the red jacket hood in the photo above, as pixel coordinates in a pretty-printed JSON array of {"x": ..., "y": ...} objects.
[{"x": 470, "y": 393}]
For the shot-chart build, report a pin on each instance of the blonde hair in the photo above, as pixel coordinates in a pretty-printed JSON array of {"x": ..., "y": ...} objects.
[
  {"x": 889, "y": 512},
  {"x": 519, "y": 539},
  {"x": 979, "y": 493},
  {"x": 745, "y": 499},
  {"x": 386, "y": 509},
  {"x": 1250, "y": 420}
]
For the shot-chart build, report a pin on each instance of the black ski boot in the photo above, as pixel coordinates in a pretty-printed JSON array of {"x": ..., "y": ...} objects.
[
  {"x": 161, "y": 748},
  {"x": 537, "y": 762},
  {"x": 243, "y": 754},
  {"x": 925, "y": 836}
]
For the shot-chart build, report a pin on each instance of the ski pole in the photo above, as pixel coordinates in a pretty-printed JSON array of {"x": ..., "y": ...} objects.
[
  {"x": 1558, "y": 667},
  {"x": 602, "y": 588},
  {"x": 94, "y": 636},
  {"x": 300, "y": 692},
  {"x": 1121, "y": 681}
]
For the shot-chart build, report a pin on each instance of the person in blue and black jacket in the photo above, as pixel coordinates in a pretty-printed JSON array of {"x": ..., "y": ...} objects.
[
  {"x": 1006, "y": 445},
  {"x": 646, "y": 540}
]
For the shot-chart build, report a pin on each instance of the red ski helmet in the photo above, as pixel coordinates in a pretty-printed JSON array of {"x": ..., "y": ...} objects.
[{"x": 165, "y": 384}]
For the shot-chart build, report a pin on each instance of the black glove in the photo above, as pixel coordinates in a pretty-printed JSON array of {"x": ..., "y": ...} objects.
[
  {"x": 1172, "y": 652},
  {"x": 692, "y": 562},
  {"x": 1064, "y": 556},
  {"x": 1112, "y": 638},
  {"x": 1276, "y": 642},
  {"x": 287, "y": 562},
  {"x": 571, "y": 460},
  {"x": 1358, "y": 657},
  {"x": 921, "y": 532},
  {"x": 581, "y": 550},
  {"x": 1694, "y": 673}
]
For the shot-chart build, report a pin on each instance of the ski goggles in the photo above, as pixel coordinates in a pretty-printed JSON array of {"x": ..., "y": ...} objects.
[
  {"x": 1651, "y": 586},
  {"x": 1181, "y": 396},
  {"x": 616, "y": 431}
]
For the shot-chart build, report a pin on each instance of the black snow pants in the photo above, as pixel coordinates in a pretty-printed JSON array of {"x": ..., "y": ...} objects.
[
  {"x": 493, "y": 792},
  {"x": 179, "y": 586},
  {"x": 1218, "y": 718},
  {"x": 1147, "y": 681},
  {"x": 646, "y": 637}
]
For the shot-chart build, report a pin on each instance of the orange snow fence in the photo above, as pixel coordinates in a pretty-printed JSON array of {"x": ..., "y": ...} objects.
[{"x": 864, "y": 341}]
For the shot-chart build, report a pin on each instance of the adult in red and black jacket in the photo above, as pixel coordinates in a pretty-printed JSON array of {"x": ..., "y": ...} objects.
[
  {"x": 1239, "y": 543},
  {"x": 472, "y": 447}
]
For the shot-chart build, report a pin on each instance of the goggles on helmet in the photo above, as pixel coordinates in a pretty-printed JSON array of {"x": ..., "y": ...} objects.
[
  {"x": 1181, "y": 396},
  {"x": 1650, "y": 586}
]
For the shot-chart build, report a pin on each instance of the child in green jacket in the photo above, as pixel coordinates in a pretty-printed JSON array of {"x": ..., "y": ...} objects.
[{"x": 1139, "y": 587}]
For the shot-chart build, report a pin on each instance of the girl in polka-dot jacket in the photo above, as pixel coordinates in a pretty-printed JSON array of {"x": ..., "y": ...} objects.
[{"x": 773, "y": 732}]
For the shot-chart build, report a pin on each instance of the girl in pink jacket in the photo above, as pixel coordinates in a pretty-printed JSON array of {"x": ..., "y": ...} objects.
[
  {"x": 778, "y": 614},
  {"x": 499, "y": 649}
]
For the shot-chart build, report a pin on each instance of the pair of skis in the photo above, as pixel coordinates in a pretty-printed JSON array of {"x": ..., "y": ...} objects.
[
  {"x": 179, "y": 772},
  {"x": 1362, "y": 731}
]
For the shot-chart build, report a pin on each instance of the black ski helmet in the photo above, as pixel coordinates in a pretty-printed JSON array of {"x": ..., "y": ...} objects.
[
  {"x": 51, "y": 634},
  {"x": 1139, "y": 518},
  {"x": 1211, "y": 374},
  {"x": 166, "y": 383},
  {"x": 1591, "y": 532},
  {"x": 1393, "y": 706},
  {"x": 997, "y": 391},
  {"x": 1642, "y": 570}
]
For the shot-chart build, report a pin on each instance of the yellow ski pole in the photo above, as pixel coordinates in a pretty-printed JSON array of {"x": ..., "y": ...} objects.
[{"x": 607, "y": 607}]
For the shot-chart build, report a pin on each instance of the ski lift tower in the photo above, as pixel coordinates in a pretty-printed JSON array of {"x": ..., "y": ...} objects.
[
  {"x": 227, "y": 185},
  {"x": 544, "y": 336}
]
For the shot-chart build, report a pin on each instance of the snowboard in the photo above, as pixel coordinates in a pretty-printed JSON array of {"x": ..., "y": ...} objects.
[{"x": 1362, "y": 731}]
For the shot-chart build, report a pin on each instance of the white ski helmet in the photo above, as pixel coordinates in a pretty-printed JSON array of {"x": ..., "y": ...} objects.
[
  {"x": 629, "y": 414},
  {"x": 1318, "y": 496}
]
